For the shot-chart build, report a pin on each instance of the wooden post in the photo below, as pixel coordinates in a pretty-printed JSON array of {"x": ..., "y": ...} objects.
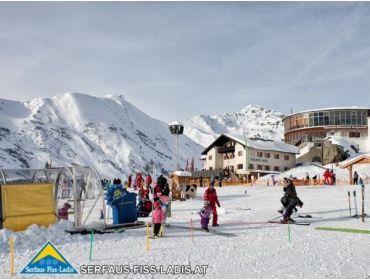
[
  {"x": 11, "y": 243},
  {"x": 350, "y": 175},
  {"x": 161, "y": 231}
]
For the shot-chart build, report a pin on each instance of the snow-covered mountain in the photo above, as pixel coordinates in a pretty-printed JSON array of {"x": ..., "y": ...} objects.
[
  {"x": 254, "y": 120},
  {"x": 108, "y": 133}
]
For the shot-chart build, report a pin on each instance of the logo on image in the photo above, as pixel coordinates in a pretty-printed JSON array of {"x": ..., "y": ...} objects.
[{"x": 48, "y": 261}]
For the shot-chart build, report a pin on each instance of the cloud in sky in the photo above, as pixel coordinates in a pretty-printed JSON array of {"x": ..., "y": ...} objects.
[{"x": 177, "y": 59}]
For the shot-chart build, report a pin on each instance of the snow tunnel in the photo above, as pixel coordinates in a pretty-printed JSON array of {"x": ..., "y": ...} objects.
[{"x": 39, "y": 196}]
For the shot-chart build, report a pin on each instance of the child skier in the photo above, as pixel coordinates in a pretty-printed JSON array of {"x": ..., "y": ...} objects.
[
  {"x": 158, "y": 217},
  {"x": 63, "y": 212},
  {"x": 205, "y": 214}
]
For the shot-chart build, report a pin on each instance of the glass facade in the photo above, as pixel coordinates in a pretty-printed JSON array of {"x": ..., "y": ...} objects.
[
  {"x": 313, "y": 126},
  {"x": 349, "y": 117}
]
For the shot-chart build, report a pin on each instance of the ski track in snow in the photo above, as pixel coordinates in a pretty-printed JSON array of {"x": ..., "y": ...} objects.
[{"x": 260, "y": 250}]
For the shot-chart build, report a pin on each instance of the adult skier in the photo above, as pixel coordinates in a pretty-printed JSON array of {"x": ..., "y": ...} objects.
[
  {"x": 355, "y": 178},
  {"x": 291, "y": 200},
  {"x": 327, "y": 177},
  {"x": 211, "y": 195},
  {"x": 148, "y": 180}
]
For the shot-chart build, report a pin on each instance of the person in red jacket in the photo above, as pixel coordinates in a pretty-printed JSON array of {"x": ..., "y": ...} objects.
[
  {"x": 138, "y": 181},
  {"x": 211, "y": 195},
  {"x": 157, "y": 191},
  {"x": 144, "y": 193},
  {"x": 148, "y": 180},
  {"x": 327, "y": 177}
]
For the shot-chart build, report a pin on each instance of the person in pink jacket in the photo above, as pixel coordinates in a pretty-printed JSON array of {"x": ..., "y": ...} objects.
[{"x": 158, "y": 217}]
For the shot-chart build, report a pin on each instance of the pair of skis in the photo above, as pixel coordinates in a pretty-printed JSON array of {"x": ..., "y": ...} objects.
[
  {"x": 363, "y": 214},
  {"x": 298, "y": 223},
  {"x": 212, "y": 231}
]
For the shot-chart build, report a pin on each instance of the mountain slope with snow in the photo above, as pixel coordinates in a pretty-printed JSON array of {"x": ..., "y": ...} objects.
[
  {"x": 254, "y": 120},
  {"x": 108, "y": 133}
]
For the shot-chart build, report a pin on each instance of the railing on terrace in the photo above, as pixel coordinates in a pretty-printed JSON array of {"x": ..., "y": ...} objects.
[{"x": 309, "y": 182}]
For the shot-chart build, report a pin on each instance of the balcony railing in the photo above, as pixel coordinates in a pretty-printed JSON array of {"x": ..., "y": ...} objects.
[{"x": 223, "y": 150}]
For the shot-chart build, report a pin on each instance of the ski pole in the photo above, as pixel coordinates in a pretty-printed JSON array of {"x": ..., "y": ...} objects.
[
  {"x": 355, "y": 199},
  {"x": 161, "y": 230},
  {"x": 246, "y": 199},
  {"x": 349, "y": 203},
  {"x": 363, "y": 202}
]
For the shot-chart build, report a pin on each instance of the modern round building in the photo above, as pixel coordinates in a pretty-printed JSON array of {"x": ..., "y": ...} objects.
[{"x": 315, "y": 125}]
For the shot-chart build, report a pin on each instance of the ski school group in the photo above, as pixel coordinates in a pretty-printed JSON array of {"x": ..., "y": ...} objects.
[{"x": 157, "y": 201}]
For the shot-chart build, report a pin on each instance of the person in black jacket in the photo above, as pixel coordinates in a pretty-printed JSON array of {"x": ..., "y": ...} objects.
[
  {"x": 291, "y": 200},
  {"x": 355, "y": 178}
]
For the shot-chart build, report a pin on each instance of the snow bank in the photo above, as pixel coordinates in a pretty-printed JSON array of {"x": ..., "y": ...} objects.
[{"x": 34, "y": 237}]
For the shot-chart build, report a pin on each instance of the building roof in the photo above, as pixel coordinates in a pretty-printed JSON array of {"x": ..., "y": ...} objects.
[
  {"x": 175, "y": 123},
  {"x": 255, "y": 143},
  {"x": 358, "y": 159},
  {"x": 328, "y": 109},
  {"x": 269, "y": 145}
]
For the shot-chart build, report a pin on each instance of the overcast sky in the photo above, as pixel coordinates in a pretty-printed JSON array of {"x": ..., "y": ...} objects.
[{"x": 174, "y": 60}]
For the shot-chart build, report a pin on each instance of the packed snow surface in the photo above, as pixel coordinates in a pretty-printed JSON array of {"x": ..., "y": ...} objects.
[{"x": 259, "y": 249}]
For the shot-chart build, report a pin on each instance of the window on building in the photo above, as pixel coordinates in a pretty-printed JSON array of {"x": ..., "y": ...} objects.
[
  {"x": 259, "y": 154},
  {"x": 286, "y": 168},
  {"x": 267, "y": 155},
  {"x": 286, "y": 157},
  {"x": 251, "y": 166},
  {"x": 354, "y": 134},
  {"x": 210, "y": 157},
  {"x": 267, "y": 168},
  {"x": 276, "y": 156},
  {"x": 259, "y": 167},
  {"x": 226, "y": 157},
  {"x": 277, "y": 168},
  {"x": 239, "y": 166},
  {"x": 240, "y": 153}
]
